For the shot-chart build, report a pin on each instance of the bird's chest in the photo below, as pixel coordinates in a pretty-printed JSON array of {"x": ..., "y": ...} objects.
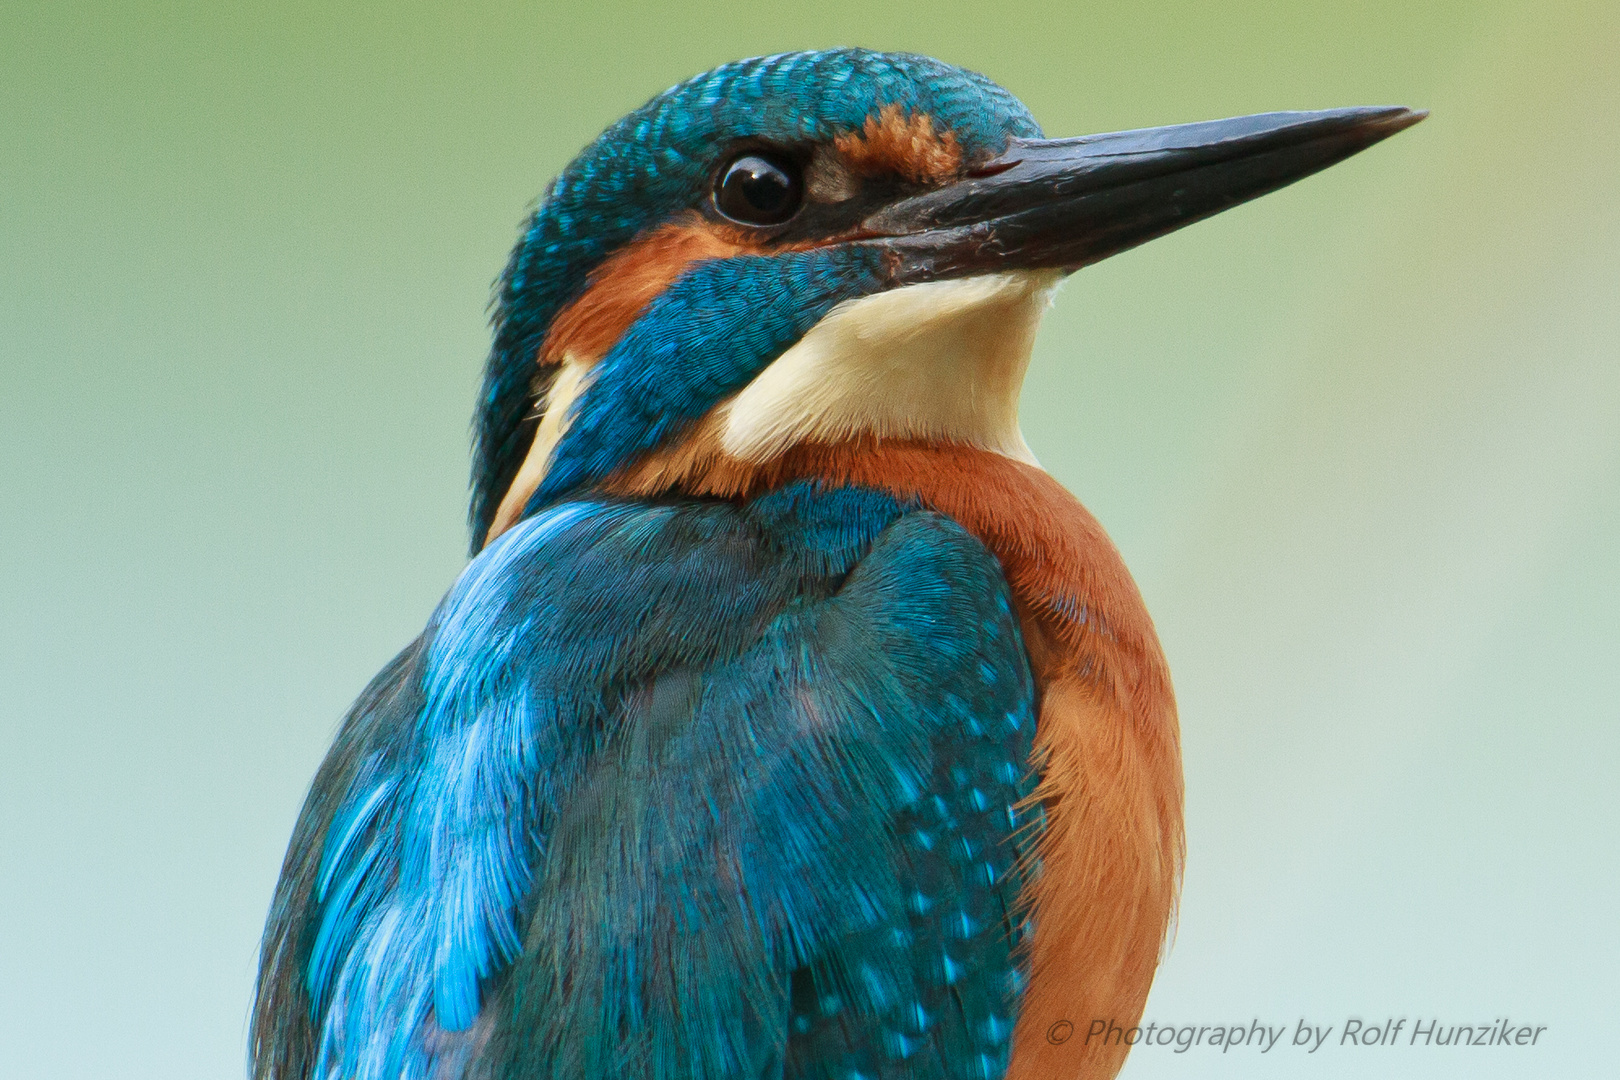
[{"x": 1107, "y": 746}]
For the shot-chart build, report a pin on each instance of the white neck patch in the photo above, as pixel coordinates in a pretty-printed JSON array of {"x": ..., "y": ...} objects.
[
  {"x": 944, "y": 361},
  {"x": 567, "y": 385},
  {"x": 941, "y": 361}
]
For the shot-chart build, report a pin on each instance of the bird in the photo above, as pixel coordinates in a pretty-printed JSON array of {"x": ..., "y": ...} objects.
[{"x": 787, "y": 720}]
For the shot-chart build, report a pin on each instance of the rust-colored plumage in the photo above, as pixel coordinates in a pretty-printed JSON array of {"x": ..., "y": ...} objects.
[
  {"x": 897, "y": 143},
  {"x": 890, "y": 143}
]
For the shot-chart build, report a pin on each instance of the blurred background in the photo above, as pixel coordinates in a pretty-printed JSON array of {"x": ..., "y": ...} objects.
[{"x": 1359, "y": 441}]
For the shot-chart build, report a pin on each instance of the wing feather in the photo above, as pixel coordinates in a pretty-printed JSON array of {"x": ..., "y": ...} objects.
[{"x": 689, "y": 790}]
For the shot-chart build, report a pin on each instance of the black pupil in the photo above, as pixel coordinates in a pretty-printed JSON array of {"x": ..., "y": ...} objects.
[{"x": 759, "y": 190}]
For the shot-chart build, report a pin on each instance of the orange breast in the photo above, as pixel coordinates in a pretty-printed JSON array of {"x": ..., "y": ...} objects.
[{"x": 1107, "y": 743}]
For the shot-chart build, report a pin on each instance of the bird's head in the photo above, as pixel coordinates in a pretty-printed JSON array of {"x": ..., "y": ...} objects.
[{"x": 824, "y": 247}]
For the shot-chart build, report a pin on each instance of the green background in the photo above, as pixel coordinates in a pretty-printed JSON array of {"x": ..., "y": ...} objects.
[{"x": 1359, "y": 441}]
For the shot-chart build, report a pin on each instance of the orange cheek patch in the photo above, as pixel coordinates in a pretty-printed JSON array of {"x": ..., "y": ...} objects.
[
  {"x": 898, "y": 144},
  {"x": 630, "y": 279},
  {"x": 890, "y": 143}
]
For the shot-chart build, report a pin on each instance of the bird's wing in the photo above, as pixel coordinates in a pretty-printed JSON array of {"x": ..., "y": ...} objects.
[{"x": 691, "y": 790}]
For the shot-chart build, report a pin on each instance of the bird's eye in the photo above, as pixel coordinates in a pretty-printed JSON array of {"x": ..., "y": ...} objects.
[{"x": 759, "y": 189}]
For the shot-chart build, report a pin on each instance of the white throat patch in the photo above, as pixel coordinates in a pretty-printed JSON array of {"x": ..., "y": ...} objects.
[{"x": 944, "y": 360}]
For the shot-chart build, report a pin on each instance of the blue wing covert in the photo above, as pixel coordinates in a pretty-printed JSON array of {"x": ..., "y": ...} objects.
[{"x": 695, "y": 789}]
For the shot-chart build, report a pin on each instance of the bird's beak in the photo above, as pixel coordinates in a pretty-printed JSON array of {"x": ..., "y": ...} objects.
[{"x": 1066, "y": 203}]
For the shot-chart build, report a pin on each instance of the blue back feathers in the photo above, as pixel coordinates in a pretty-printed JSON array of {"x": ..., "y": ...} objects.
[
  {"x": 683, "y": 789},
  {"x": 674, "y": 791}
]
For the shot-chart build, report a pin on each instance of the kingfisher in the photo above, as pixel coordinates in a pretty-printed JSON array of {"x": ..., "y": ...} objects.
[{"x": 788, "y": 720}]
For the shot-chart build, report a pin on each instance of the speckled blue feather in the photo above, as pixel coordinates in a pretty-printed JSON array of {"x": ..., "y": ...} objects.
[
  {"x": 706, "y": 337},
  {"x": 680, "y": 791},
  {"x": 686, "y": 789}
]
